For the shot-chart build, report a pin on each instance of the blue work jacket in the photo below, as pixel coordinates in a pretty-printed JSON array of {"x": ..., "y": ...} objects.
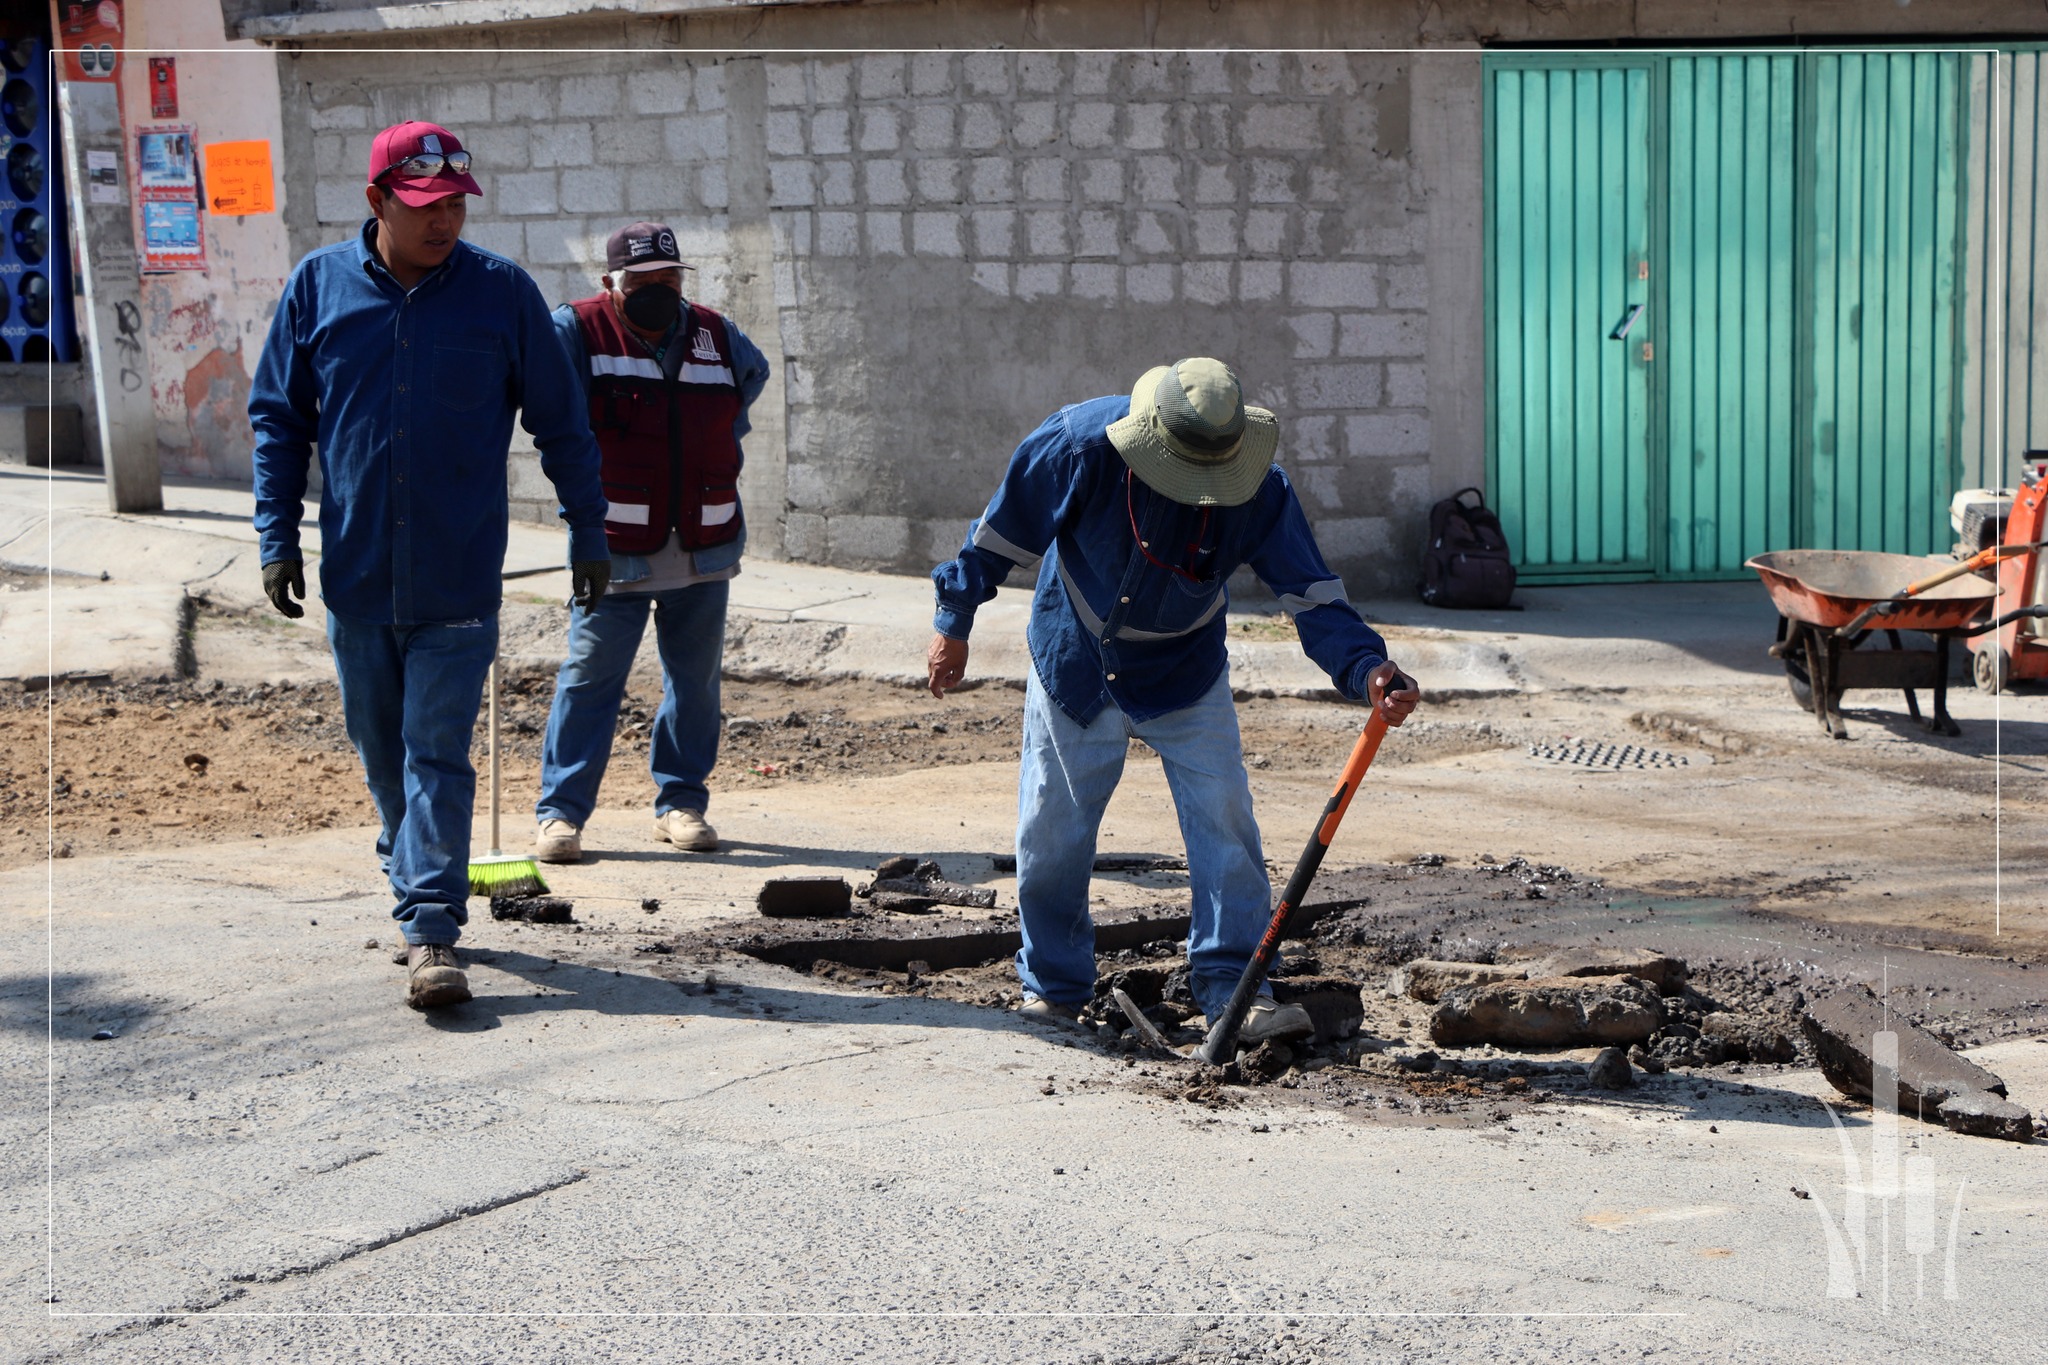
[
  {"x": 1107, "y": 624},
  {"x": 750, "y": 370},
  {"x": 409, "y": 396}
]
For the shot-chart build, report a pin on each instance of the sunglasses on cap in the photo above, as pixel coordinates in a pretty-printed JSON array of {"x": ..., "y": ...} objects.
[{"x": 427, "y": 165}]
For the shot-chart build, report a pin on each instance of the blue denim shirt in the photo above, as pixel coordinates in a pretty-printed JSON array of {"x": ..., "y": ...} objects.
[
  {"x": 1109, "y": 625},
  {"x": 410, "y": 398},
  {"x": 750, "y": 368}
]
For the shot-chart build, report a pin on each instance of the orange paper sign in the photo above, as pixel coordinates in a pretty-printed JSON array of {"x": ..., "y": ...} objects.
[{"x": 238, "y": 178}]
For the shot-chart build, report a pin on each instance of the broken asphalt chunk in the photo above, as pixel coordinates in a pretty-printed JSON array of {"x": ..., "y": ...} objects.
[
  {"x": 1610, "y": 1070},
  {"x": 533, "y": 909},
  {"x": 1553, "y": 1012},
  {"x": 805, "y": 897},
  {"x": 1747, "y": 1039},
  {"x": 1266, "y": 1062},
  {"x": 906, "y": 883},
  {"x": 1981, "y": 1114},
  {"x": 1664, "y": 972},
  {"x": 1426, "y": 979},
  {"x": 1842, "y": 1028}
]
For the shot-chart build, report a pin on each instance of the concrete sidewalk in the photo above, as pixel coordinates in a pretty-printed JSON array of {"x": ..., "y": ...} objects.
[{"x": 120, "y": 582}]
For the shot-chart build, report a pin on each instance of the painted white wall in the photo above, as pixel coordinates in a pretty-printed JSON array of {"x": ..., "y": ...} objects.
[{"x": 205, "y": 329}]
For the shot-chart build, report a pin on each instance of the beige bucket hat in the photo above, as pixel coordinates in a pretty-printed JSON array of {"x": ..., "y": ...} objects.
[{"x": 1191, "y": 437}]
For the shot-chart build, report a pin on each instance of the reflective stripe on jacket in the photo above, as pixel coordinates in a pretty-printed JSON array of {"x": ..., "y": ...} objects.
[{"x": 1108, "y": 625}]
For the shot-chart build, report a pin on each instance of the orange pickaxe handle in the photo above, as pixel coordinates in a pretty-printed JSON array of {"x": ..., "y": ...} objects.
[{"x": 1221, "y": 1044}]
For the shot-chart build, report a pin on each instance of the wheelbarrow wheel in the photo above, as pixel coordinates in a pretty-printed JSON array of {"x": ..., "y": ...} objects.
[
  {"x": 1797, "y": 678},
  {"x": 1992, "y": 669}
]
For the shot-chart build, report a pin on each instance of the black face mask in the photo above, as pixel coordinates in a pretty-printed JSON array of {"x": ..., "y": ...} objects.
[{"x": 652, "y": 307}]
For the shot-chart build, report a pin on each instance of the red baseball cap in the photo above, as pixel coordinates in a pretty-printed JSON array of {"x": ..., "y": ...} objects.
[{"x": 401, "y": 143}]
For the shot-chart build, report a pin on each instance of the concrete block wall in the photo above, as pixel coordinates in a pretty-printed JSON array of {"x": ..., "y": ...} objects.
[
  {"x": 567, "y": 149},
  {"x": 565, "y": 152},
  {"x": 965, "y": 242},
  {"x": 940, "y": 249}
]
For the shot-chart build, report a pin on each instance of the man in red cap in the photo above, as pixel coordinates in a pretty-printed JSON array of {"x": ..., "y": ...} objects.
[
  {"x": 404, "y": 355},
  {"x": 669, "y": 384}
]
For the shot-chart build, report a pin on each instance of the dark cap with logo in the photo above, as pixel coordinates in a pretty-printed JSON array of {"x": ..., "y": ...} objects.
[{"x": 642, "y": 246}]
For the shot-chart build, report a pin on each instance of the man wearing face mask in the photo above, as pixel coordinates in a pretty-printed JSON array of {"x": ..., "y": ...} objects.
[{"x": 668, "y": 384}]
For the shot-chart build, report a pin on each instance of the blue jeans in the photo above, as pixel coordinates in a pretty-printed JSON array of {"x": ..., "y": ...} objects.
[
  {"x": 689, "y": 634},
  {"x": 409, "y": 697},
  {"x": 1063, "y": 786}
]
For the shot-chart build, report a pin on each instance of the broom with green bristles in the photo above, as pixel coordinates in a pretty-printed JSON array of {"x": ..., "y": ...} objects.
[{"x": 500, "y": 873}]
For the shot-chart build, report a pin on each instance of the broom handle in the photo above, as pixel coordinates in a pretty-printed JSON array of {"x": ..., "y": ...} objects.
[{"x": 494, "y": 754}]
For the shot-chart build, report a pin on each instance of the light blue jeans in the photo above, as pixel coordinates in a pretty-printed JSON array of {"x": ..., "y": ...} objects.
[
  {"x": 409, "y": 697},
  {"x": 1063, "y": 785},
  {"x": 689, "y": 634}
]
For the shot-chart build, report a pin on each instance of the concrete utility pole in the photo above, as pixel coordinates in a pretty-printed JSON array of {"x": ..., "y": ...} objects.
[{"x": 117, "y": 360}]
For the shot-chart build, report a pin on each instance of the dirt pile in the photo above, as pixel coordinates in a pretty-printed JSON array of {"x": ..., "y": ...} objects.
[{"x": 164, "y": 764}]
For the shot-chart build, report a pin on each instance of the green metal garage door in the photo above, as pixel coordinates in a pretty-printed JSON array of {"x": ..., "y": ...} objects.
[
  {"x": 1792, "y": 377},
  {"x": 1726, "y": 442},
  {"x": 1568, "y": 231},
  {"x": 1885, "y": 157}
]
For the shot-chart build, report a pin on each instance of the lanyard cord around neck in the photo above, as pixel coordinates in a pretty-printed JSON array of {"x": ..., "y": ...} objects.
[{"x": 1194, "y": 547}]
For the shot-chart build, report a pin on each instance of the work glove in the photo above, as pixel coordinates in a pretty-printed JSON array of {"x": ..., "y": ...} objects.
[
  {"x": 284, "y": 579},
  {"x": 588, "y": 579}
]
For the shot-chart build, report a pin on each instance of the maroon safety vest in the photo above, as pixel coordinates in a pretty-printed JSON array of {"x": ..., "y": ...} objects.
[{"x": 670, "y": 460}]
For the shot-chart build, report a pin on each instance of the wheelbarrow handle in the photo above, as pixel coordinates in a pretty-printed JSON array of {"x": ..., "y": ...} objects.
[{"x": 1989, "y": 555}]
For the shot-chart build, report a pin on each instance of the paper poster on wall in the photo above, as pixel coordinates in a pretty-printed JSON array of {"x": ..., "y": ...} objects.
[
  {"x": 170, "y": 236},
  {"x": 167, "y": 186},
  {"x": 163, "y": 87},
  {"x": 163, "y": 160},
  {"x": 103, "y": 175},
  {"x": 239, "y": 179}
]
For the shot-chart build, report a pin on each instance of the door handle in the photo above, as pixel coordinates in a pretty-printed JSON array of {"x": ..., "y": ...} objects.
[{"x": 1620, "y": 332}]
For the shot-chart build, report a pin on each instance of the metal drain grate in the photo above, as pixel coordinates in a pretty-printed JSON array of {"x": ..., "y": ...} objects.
[{"x": 1579, "y": 754}]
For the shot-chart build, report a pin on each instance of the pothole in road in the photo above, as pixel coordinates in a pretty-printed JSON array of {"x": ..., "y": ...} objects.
[{"x": 1373, "y": 1050}]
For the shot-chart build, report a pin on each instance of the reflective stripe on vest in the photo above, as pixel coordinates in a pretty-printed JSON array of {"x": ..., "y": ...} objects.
[{"x": 670, "y": 459}]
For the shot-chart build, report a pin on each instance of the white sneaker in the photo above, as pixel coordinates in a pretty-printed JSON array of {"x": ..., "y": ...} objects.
[
  {"x": 685, "y": 829},
  {"x": 558, "y": 842}
]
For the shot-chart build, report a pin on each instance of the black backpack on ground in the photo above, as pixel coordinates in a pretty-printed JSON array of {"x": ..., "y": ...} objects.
[{"x": 1465, "y": 562}]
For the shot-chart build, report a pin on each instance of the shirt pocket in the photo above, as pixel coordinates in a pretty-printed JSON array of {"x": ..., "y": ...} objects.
[
  {"x": 1178, "y": 609},
  {"x": 468, "y": 370}
]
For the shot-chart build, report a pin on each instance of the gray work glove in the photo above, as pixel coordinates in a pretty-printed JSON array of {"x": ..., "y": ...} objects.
[
  {"x": 284, "y": 579},
  {"x": 588, "y": 579}
]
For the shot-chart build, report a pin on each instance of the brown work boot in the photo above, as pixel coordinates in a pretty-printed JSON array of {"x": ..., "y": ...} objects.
[
  {"x": 685, "y": 829},
  {"x": 558, "y": 842},
  {"x": 434, "y": 976}
]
